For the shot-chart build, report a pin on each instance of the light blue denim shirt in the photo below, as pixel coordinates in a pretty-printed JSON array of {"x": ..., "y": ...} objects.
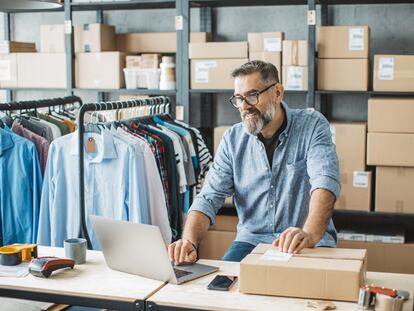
[{"x": 270, "y": 201}]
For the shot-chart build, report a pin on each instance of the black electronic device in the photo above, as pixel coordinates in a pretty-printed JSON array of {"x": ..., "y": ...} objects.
[{"x": 222, "y": 282}]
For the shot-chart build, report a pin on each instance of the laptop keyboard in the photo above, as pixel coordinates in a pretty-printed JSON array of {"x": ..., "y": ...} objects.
[{"x": 180, "y": 273}]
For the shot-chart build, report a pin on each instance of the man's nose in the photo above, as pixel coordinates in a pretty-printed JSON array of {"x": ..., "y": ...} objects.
[{"x": 244, "y": 106}]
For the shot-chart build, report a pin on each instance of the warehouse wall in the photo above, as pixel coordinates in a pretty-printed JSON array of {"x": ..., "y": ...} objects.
[{"x": 391, "y": 32}]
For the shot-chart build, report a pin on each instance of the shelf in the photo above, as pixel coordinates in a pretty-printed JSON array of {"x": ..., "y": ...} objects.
[
  {"x": 363, "y": 1},
  {"x": 31, "y": 89},
  {"x": 242, "y": 3},
  {"x": 231, "y": 91},
  {"x": 366, "y": 93},
  {"x": 123, "y": 5},
  {"x": 131, "y": 91}
]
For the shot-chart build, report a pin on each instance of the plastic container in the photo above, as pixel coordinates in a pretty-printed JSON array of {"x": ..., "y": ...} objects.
[
  {"x": 142, "y": 78},
  {"x": 167, "y": 85}
]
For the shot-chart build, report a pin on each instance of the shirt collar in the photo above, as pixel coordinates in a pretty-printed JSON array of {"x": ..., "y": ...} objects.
[
  {"x": 6, "y": 141},
  {"x": 105, "y": 140},
  {"x": 288, "y": 116}
]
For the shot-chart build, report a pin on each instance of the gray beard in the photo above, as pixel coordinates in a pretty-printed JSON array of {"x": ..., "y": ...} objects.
[{"x": 257, "y": 123}]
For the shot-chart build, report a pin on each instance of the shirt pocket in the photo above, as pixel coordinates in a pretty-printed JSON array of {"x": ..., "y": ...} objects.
[{"x": 297, "y": 177}]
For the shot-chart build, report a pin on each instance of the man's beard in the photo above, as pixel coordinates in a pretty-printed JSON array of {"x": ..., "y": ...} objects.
[{"x": 254, "y": 121}]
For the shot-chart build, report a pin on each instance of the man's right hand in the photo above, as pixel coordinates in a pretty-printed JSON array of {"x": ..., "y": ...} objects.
[{"x": 182, "y": 251}]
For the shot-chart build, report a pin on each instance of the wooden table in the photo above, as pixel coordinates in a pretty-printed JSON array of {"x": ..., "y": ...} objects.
[
  {"x": 92, "y": 284},
  {"x": 195, "y": 295}
]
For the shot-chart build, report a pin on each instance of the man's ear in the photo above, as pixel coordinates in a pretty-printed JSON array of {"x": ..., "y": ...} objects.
[{"x": 279, "y": 91}]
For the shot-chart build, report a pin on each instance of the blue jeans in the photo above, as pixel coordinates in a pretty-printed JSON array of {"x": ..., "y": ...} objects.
[{"x": 237, "y": 251}]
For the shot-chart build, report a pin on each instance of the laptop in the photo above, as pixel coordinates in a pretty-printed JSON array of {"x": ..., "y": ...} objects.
[{"x": 140, "y": 249}]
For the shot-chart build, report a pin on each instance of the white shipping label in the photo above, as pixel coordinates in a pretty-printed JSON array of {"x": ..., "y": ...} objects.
[
  {"x": 276, "y": 255},
  {"x": 68, "y": 26},
  {"x": 294, "y": 79},
  {"x": 272, "y": 44},
  {"x": 333, "y": 132},
  {"x": 360, "y": 179},
  {"x": 202, "y": 70},
  {"x": 356, "y": 39},
  {"x": 5, "y": 70},
  {"x": 386, "y": 68},
  {"x": 179, "y": 113}
]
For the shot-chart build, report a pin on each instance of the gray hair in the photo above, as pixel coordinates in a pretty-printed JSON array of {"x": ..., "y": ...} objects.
[{"x": 267, "y": 71}]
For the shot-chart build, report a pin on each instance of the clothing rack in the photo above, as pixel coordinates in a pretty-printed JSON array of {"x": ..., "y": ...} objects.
[
  {"x": 155, "y": 102},
  {"x": 42, "y": 103}
]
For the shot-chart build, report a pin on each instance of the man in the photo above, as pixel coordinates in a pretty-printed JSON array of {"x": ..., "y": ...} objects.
[{"x": 281, "y": 166}]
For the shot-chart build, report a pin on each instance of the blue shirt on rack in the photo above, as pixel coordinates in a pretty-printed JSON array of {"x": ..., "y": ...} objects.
[
  {"x": 20, "y": 188},
  {"x": 270, "y": 200}
]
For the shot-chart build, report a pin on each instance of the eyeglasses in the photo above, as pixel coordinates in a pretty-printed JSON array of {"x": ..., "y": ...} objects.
[{"x": 252, "y": 98}]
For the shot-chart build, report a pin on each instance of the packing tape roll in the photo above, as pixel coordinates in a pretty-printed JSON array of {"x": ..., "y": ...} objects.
[
  {"x": 10, "y": 256},
  {"x": 387, "y": 303}
]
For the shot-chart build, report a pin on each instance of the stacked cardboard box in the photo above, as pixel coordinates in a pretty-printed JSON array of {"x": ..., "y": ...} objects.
[
  {"x": 350, "y": 141},
  {"x": 343, "y": 58},
  {"x": 391, "y": 149},
  {"x": 52, "y": 38},
  {"x": 7, "y": 46},
  {"x": 266, "y": 46},
  {"x": 394, "y": 73},
  {"x": 295, "y": 65},
  {"x": 213, "y": 62}
]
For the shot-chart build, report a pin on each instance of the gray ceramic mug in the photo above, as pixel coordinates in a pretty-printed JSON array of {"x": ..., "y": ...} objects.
[{"x": 75, "y": 249}]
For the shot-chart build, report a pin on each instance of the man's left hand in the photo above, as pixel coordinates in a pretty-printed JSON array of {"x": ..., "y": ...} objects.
[{"x": 292, "y": 240}]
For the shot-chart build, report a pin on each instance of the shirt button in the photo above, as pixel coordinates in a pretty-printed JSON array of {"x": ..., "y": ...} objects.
[
  {"x": 271, "y": 186},
  {"x": 271, "y": 205}
]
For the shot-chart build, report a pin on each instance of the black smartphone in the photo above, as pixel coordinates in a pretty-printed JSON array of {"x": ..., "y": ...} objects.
[{"x": 222, "y": 282}]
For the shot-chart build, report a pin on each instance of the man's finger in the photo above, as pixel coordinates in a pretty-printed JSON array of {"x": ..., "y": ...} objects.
[
  {"x": 192, "y": 256},
  {"x": 282, "y": 239},
  {"x": 302, "y": 245},
  {"x": 171, "y": 251},
  {"x": 185, "y": 250},
  {"x": 297, "y": 239},
  {"x": 289, "y": 237},
  {"x": 276, "y": 243},
  {"x": 177, "y": 251}
]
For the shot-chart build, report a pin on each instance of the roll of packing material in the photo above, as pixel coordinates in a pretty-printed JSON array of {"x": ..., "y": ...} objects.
[
  {"x": 168, "y": 59},
  {"x": 167, "y": 78},
  {"x": 167, "y": 85},
  {"x": 387, "y": 303},
  {"x": 168, "y": 71},
  {"x": 167, "y": 65}
]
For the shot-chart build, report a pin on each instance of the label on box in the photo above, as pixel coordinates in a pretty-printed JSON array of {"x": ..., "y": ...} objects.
[
  {"x": 276, "y": 255},
  {"x": 356, "y": 39},
  {"x": 360, "y": 179},
  {"x": 333, "y": 132},
  {"x": 5, "y": 70},
  {"x": 68, "y": 27},
  {"x": 386, "y": 68},
  {"x": 272, "y": 44},
  {"x": 294, "y": 80},
  {"x": 202, "y": 69},
  {"x": 179, "y": 113}
]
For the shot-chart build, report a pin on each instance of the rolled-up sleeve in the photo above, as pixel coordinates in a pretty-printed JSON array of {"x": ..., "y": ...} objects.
[
  {"x": 322, "y": 161},
  {"x": 219, "y": 183}
]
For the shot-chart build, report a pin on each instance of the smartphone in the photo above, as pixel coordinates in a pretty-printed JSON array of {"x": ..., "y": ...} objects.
[{"x": 222, "y": 282}]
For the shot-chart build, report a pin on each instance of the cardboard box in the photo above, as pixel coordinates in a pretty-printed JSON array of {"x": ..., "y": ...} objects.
[
  {"x": 390, "y": 115},
  {"x": 218, "y": 50},
  {"x": 214, "y": 73},
  {"x": 394, "y": 73},
  {"x": 94, "y": 38},
  {"x": 52, "y": 38},
  {"x": 7, "y": 46},
  {"x": 295, "y": 53},
  {"x": 274, "y": 58},
  {"x": 133, "y": 61},
  {"x": 225, "y": 223},
  {"x": 343, "y": 42},
  {"x": 355, "y": 193},
  {"x": 215, "y": 244},
  {"x": 99, "y": 70},
  {"x": 343, "y": 74},
  {"x": 218, "y": 135},
  {"x": 41, "y": 70},
  {"x": 393, "y": 258},
  {"x": 154, "y": 42},
  {"x": 390, "y": 149},
  {"x": 320, "y": 273},
  {"x": 295, "y": 78},
  {"x": 394, "y": 189},
  {"x": 8, "y": 70},
  {"x": 350, "y": 141},
  {"x": 265, "y": 41}
]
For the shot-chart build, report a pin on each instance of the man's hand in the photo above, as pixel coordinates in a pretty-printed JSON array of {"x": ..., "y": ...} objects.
[
  {"x": 182, "y": 251},
  {"x": 293, "y": 240}
]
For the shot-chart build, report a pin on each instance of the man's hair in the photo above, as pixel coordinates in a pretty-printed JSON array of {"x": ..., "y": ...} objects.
[{"x": 267, "y": 71}]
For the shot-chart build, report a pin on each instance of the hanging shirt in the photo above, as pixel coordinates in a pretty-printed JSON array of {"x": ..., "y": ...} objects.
[
  {"x": 114, "y": 187},
  {"x": 20, "y": 188},
  {"x": 37, "y": 127}
]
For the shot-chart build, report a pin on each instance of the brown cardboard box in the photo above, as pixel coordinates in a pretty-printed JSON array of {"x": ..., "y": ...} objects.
[
  {"x": 355, "y": 191},
  {"x": 265, "y": 41},
  {"x": 218, "y": 135},
  {"x": 320, "y": 273},
  {"x": 350, "y": 141},
  {"x": 215, "y": 244},
  {"x": 52, "y": 38},
  {"x": 295, "y": 78},
  {"x": 8, "y": 70},
  {"x": 390, "y": 149},
  {"x": 94, "y": 38},
  {"x": 394, "y": 73},
  {"x": 218, "y": 50},
  {"x": 343, "y": 74},
  {"x": 385, "y": 257},
  {"x": 214, "y": 73},
  {"x": 41, "y": 70},
  {"x": 99, "y": 70},
  {"x": 295, "y": 53},
  {"x": 394, "y": 189},
  {"x": 154, "y": 42},
  {"x": 390, "y": 115},
  {"x": 133, "y": 61},
  {"x": 343, "y": 42},
  {"x": 225, "y": 223},
  {"x": 7, "y": 46},
  {"x": 274, "y": 58}
]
